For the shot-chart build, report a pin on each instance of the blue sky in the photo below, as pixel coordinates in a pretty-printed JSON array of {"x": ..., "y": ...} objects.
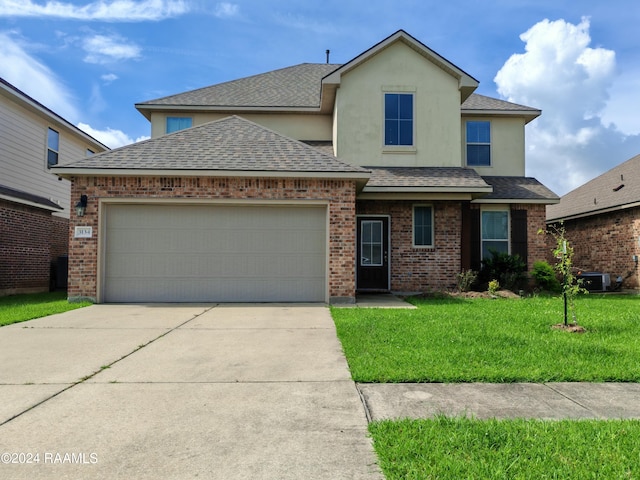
[{"x": 91, "y": 61}]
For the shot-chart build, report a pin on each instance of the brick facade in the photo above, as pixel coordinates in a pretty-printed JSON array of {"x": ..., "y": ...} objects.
[
  {"x": 30, "y": 240},
  {"x": 427, "y": 269},
  {"x": 420, "y": 269},
  {"x": 607, "y": 243},
  {"x": 83, "y": 252}
]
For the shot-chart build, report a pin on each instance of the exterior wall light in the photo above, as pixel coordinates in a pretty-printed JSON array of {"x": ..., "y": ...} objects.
[{"x": 81, "y": 206}]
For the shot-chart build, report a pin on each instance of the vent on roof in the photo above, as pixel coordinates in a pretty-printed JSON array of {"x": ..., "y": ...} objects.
[
  {"x": 619, "y": 187},
  {"x": 328, "y": 52}
]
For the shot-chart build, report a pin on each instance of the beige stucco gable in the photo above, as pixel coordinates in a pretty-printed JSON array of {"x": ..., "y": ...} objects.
[{"x": 359, "y": 110}]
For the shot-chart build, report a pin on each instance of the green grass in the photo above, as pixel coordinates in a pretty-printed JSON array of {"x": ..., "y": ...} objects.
[
  {"x": 484, "y": 340},
  {"x": 455, "y": 448},
  {"x": 19, "y": 308}
]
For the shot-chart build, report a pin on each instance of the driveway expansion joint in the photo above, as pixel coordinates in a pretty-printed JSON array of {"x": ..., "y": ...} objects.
[{"x": 106, "y": 366}]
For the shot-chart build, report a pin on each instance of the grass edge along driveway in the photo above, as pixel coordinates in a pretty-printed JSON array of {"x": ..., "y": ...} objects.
[
  {"x": 20, "y": 308},
  {"x": 456, "y": 340}
]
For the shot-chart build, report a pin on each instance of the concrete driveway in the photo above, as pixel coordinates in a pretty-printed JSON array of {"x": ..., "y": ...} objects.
[{"x": 180, "y": 391}]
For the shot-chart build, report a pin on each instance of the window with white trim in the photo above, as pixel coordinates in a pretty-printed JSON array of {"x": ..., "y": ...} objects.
[
  {"x": 398, "y": 119},
  {"x": 423, "y": 226},
  {"x": 494, "y": 227},
  {"x": 53, "y": 147},
  {"x": 478, "y": 143},
  {"x": 178, "y": 123}
]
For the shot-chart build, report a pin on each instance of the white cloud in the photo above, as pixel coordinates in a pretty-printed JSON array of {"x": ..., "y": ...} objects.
[
  {"x": 110, "y": 137},
  {"x": 226, "y": 10},
  {"x": 109, "y": 78},
  {"x": 101, "y": 10},
  {"x": 34, "y": 78},
  {"x": 571, "y": 82},
  {"x": 103, "y": 49}
]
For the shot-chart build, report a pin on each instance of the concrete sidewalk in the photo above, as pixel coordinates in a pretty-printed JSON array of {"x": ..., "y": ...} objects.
[
  {"x": 550, "y": 401},
  {"x": 174, "y": 392}
]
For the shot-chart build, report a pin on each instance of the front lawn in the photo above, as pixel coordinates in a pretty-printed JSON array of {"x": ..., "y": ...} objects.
[
  {"x": 18, "y": 308},
  {"x": 485, "y": 340},
  {"x": 455, "y": 448}
]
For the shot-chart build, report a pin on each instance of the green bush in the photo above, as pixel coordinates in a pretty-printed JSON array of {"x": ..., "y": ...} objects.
[
  {"x": 508, "y": 270},
  {"x": 545, "y": 276}
]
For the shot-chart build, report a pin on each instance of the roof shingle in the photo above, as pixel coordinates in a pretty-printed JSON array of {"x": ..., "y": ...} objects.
[
  {"x": 231, "y": 144},
  {"x": 518, "y": 188},
  {"x": 615, "y": 188}
]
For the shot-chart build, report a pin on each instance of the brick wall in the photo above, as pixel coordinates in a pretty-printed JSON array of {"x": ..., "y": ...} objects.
[
  {"x": 607, "y": 243},
  {"x": 421, "y": 269},
  {"x": 24, "y": 249},
  {"x": 429, "y": 269},
  {"x": 83, "y": 253}
]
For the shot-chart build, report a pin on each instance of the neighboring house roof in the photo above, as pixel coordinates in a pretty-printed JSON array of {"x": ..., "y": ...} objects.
[
  {"x": 518, "y": 188},
  {"x": 311, "y": 87},
  {"x": 422, "y": 179},
  {"x": 31, "y": 104},
  {"x": 232, "y": 144},
  {"x": 25, "y": 198},
  {"x": 615, "y": 189}
]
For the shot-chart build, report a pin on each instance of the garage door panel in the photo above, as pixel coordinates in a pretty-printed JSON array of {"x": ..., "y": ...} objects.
[{"x": 171, "y": 253}]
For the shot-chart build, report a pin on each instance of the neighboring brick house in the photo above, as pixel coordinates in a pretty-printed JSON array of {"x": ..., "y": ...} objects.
[
  {"x": 602, "y": 222},
  {"x": 34, "y": 203},
  {"x": 310, "y": 183}
]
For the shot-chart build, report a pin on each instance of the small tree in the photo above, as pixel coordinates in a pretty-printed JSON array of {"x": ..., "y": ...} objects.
[{"x": 571, "y": 285}]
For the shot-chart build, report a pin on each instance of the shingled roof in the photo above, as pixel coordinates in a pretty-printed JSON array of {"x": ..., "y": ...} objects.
[
  {"x": 21, "y": 196},
  {"x": 617, "y": 188},
  {"x": 412, "y": 179},
  {"x": 296, "y": 87},
  {"x": 232, "y": 144},
  {"x": 519, "y": 188}
]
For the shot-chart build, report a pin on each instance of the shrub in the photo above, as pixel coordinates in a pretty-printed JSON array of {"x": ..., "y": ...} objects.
[
  {"x": 494, "y": 286},
  {"x": 466, "y": 279},
  {"x": 508, "y": 270},
  {"x": 545, "y": 277}
]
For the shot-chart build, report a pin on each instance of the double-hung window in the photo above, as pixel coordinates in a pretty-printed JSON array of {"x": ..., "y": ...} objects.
[
  {"x": 478, "y": 143},
  {"x": 178, "y": 123},
  {"x": 422, "y": 226},
  {"x": 495, "y": 232},
  {"x": 53, "y": 147},
  {"x": 398, "y": 119}
]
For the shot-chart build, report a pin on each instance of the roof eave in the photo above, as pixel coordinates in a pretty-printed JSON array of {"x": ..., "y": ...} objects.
[
  {"x": 147, "y": 110},
  {"x": 22, "y": 201},
  {"x": 528, "y": 115},
  {"x": 67, "y": 172},
  {"x": 467, "y": 84},
  {"x": 36, "y": 107},
  {"x": 541, "y": 201},
  {"x": 576, "y": 216}
]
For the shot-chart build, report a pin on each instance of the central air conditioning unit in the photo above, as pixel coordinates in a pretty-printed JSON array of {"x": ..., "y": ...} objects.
[{"x": 595, "y": 281}]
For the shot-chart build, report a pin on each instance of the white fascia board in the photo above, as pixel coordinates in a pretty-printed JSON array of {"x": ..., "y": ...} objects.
[
  {"x": 22, "y": 201},
  {"x": 124, "y": 172},
  {"x": 593, "y": 212},
  {"x": 516, "y": 200}
]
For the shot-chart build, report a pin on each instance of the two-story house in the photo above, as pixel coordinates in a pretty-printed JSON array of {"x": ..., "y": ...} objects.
[
  {"x": 310, "y": 183},
  {"x": 34, "y": 203}
]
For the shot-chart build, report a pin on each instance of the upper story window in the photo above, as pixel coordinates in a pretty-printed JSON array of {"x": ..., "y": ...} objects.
[
  {"x": 495, "y": 232},
  {"x": 478, "y": 143},
  {"x": 53, "y": 147},
  {"x": 178, "y": 123},
  {"x": 423, "y": 226},
  {"x": 90, "y": 152},
  {"x": 398, "y": 119}
]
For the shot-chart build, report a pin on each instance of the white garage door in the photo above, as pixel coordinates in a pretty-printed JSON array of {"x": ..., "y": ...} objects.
[{"x": 207, "y": 253}]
